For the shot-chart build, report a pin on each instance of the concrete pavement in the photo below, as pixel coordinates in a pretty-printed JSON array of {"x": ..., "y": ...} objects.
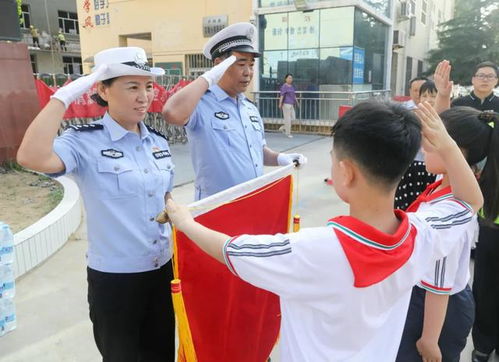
[{"x": 52, "y": 309}]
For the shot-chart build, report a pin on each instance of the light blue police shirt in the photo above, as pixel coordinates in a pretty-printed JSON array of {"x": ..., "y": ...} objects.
[
  {"x": 123, "y": 178},
  {"x": 226, "y": 138}
]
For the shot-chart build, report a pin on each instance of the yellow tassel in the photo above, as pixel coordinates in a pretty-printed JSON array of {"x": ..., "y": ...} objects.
[
  {"x": 296, "y": 223},
  {"x": 186, "y": 351}
]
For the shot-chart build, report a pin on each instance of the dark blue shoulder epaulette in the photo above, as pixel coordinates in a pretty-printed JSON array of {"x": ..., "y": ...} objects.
[
  {"x": 85, "y": 127},
  {"x": 156, "y": 132},
  {"x": 249, "y": 100}
]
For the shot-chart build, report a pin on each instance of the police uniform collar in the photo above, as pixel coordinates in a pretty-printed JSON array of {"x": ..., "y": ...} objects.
[
  {"x": 117, "y": 132},
  {"x": 220, "y": 94}
]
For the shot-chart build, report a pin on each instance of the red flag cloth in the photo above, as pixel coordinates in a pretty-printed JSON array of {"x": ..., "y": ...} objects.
[
  {"x": 44, "y": 92},
  {"x": 160, "y": 97},
  {"x": 84, "y": 106},
  {"x": 343, "y": 109},
  {"x": 231, "y": 320}
]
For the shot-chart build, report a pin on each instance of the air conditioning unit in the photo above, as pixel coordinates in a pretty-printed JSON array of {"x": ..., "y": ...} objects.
[
  {"x": 398, "y": 38},
  {"x": 405, "y": 10}
]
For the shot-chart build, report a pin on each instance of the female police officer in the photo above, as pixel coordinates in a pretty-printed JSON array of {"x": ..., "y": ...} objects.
[{"x": 124, "y": 172}]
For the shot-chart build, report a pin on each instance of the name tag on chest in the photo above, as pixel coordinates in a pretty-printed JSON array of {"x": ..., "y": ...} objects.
[{"x": 161, "y": 154}]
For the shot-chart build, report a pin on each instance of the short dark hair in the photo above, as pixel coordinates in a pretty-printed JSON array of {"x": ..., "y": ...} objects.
[
  {"x": 478, "y": 134},
  {"x": 287, "y": 75},
  {"x": 222, "y": 56},
  {"x": 428, "y": 86},
  {"x": 382, "y": 137},
  {"x": 416, "y": 79},
  {"x": 97, "y": 98},
  {"x": 486, "y": 65}
]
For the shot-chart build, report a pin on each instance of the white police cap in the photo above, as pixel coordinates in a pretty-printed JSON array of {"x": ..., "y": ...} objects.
[
  {"x": 237, "y": 36},
  {"x": 124, "y": 61}
]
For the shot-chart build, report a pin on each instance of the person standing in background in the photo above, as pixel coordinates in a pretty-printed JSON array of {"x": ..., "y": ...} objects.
[
  {"x": 34, "y": 36},
  {"x": 414, "y": 86},
  {"x": 287, "y": 102}
]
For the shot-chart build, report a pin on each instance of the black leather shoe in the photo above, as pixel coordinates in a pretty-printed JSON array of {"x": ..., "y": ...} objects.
[{"x": 477, "y": 356}]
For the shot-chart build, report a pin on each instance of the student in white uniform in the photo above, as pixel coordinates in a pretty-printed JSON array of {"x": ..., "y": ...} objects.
[{"x": 345, "y": 287}]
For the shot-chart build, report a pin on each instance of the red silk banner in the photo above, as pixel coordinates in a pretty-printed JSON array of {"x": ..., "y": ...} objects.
[
  {"x": 231, "y": 320},
  {"x": 85, "y": 107},
  {"x": 160, "y": 97},
  {"x": 44, "y": 92}
]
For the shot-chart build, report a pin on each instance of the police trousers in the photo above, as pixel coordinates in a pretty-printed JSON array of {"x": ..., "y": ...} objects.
[{"x": 132, "y": 315}]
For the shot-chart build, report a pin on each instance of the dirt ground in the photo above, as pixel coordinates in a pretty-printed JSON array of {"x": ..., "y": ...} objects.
[{"x": 25, "y": 197}]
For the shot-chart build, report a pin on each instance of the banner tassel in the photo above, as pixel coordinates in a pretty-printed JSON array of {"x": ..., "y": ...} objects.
[{"x": 186, "y": 351}]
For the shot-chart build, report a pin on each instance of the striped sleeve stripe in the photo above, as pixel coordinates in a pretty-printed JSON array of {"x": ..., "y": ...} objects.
[
  {"x": 226, "y": 256},
  {"x": 435, "y": 289},
  {"x": 442, "y": 274},
  {"x": 463, "y": 204},
  {"x": 454, "y": 223},
  {"x": 447, "y": 218},
  {"x": 260, "y": 255},
  {"x": 258, "y": 246},
  {"x": 437, "y": 272}
]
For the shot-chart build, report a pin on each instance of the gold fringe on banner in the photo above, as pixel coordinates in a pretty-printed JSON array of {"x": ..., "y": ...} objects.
[{"x": 186, "y": 351}]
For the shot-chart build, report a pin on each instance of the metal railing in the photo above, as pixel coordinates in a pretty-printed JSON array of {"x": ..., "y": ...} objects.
[{"x": 316, "y": 111}]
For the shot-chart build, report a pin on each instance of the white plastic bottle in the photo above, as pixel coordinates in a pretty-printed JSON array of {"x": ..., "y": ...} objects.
[
  {"x": 6, "y": 244},
  {"x": 9, "y": 314},
  {"x": 2, "y": 319},
  {"x": 7, "y": 281}
]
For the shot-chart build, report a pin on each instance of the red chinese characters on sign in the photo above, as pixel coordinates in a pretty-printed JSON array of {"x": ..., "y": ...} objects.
[
  {"x": 86, "y": 5},
  {"x": 88, "y": 22}
]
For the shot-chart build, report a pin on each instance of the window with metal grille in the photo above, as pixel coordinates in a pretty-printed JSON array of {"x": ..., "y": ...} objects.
[
  {"x": 196, "y": 64},
  {"x": 424, "y": 9},
  {"x": 72, "y": 65},
  {"x": 32, "y": 58},
  {"x": 68, "y": 22},
  {"x": 25, "y": 16},
  {"x": 420, "y": 68},
  {"x": 412, "y": 26}
]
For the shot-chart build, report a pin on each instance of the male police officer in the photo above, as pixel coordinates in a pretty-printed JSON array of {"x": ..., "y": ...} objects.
[{"x": 224, "y": 128}]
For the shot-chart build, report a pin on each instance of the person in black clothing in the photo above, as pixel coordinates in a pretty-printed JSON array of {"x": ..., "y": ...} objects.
[{"x": 482, "y": 97}]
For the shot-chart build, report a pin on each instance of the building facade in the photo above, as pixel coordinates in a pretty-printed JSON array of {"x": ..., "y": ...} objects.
[
  {"x": 415, "y": 33},
  {"x": 50, "y": 17},
  {"x": 172, "y": 32},
  {"x": 327, "y": 45}
]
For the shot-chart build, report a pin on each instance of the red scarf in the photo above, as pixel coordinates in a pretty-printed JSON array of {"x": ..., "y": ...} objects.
[{"x": 374, "y": 255}]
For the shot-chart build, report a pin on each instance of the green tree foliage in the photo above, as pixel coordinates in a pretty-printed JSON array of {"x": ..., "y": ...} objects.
[
  {"x": 471, "y": 37},
  {"x": 19, "y": 11}
]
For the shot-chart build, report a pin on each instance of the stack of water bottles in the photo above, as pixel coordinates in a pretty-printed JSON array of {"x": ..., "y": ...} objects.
[{"x": 7, "y": 280}]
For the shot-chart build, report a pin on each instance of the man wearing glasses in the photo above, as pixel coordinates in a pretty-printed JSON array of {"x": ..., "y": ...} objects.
[{"x": 482, "y": 97}]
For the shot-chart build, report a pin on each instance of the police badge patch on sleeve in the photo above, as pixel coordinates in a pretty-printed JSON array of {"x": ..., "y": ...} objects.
[
  {"x": 161, "y": 154},
  {"x": 111, "y": 153},
  {"x": 221, "y": 115}
]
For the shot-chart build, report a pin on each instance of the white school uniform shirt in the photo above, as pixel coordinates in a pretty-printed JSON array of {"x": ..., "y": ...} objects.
[
  {"x": 345, "y": 289},
  {"x": 451, "y": 274}
]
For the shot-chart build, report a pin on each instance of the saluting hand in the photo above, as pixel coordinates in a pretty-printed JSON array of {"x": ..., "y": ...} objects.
[
  {"x": 435, "y": 136},
  {"x": 69, "y": 93},
  {"x": 213, "y": 75},
  {"x": 442, "y": 78}
]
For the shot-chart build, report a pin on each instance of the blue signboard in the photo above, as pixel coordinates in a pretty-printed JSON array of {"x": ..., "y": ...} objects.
[{"x": 358, "y": 65}]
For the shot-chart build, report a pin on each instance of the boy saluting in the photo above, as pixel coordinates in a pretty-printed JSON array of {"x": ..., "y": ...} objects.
[{"x": 345, "y": 287}]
